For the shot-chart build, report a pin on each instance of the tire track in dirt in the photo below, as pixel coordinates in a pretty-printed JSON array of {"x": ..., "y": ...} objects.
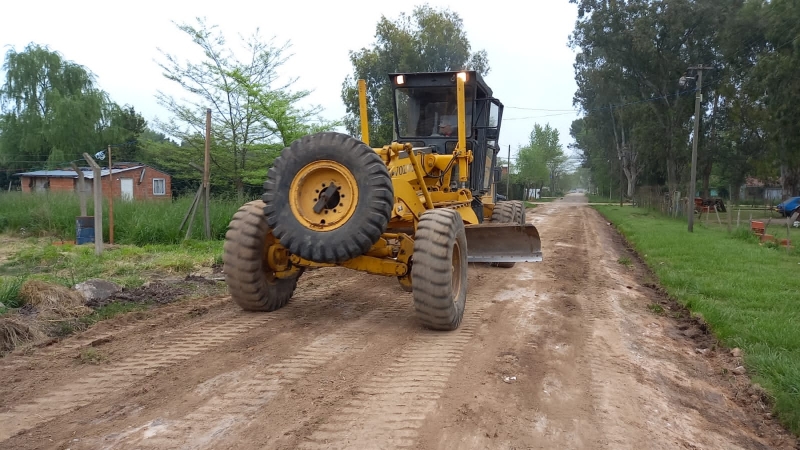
[
  {"x": 672, "y": 406},
  {"x": 125, "y": 373},
  {"x": 613, "y": 377},
  {"x": 234, "y": 397},
  {"x": 387, "y": 410},
  {"x": 166, "y": 314},
  {"x": 560, "y": 332}
]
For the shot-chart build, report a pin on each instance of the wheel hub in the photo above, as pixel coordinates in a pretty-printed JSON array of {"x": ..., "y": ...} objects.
[{"x": 324, "y": 195}]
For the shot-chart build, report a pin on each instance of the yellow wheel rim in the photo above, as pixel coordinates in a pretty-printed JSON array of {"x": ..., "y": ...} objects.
[{"x": 323, "y": 195}]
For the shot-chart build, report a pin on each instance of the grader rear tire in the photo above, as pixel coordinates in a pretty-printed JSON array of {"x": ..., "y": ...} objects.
[
  {"x": 439, "y": 272},
  {"x": 251, "y": 283},
  {"x": 512, "y": 211},
  {"x": 328, "y": 197}
]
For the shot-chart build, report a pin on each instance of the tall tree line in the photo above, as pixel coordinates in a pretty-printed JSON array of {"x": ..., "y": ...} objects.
[{"x": 638, "y": 118}]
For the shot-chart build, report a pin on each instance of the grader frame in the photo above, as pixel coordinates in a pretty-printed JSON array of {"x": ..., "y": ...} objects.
[{"x": 414, "y": 206}]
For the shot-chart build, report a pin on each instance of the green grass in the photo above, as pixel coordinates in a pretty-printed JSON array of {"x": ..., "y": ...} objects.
[
  {"x": 601, "y": 199},
  {"x": 126, "y": 265},
  {"x": 138, "y": 223},
  {"x": 112, "y": 310},
  {"x": 747, "y": 293},
  {"x": 9, "y": 293}
]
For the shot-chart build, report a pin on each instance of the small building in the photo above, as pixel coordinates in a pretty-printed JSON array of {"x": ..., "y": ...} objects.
[
  {"x": 130, "y": 181},
  {"x": 760, "y": 190}
]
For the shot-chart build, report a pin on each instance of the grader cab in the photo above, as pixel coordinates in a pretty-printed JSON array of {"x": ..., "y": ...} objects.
[{"x": 419, "y": 208}]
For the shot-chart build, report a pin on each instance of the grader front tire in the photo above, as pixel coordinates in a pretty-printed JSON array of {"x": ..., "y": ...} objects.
[
  {"x": 439, "y": 272},
  {"x": 328, "y": 197},
  {"x": 512, "y": 211},
  {"x": 251, "y": 283}
]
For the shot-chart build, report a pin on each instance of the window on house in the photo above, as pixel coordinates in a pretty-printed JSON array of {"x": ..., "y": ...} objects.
[{"x": 159, "y": 186}]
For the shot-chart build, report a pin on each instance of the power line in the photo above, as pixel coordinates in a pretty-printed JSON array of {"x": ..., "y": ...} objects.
[
  {"x": 538, "y": 109},
  {"x": 744, "y": 47}
]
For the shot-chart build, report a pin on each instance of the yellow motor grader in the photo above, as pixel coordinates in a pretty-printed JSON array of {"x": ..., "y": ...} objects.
[{"x": 419, "y": 209}]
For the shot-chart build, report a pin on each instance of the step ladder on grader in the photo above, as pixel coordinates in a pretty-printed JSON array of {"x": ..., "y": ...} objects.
[{"x": 420, "y": 208}]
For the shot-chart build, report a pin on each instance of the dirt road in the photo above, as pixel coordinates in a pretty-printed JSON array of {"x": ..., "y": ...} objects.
[{"x": 559, "y": 354}]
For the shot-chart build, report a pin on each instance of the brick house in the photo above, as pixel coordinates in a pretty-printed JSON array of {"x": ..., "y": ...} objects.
[{"x": 131, "y": 181}]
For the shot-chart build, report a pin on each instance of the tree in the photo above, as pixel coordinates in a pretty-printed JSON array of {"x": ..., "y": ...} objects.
[
  {"x": 634, "y": 52},
  {"x": 126, "y": 126},
  {"x": 253, "y": 115},
  {"x": 429, "y": 40},
  {"x": 541, "y": 161},
  {"x": 51, "y": 109}
]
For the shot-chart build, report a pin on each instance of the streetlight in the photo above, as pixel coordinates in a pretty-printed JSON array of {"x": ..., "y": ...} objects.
[{"x": 683, "y": 82}]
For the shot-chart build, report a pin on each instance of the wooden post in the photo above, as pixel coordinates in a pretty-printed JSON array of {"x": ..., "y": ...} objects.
[
  {"x": 207, "y": 174},
  {"x": 110, "y": 200},
  {"x": 192, "y": 212},
  {"x": 193, "y": 208},
  {"x": 730, "y": 219},
  {"x": 719, "y": 221},
  {"x": 738, "y": 216},
  {"x": 98, "y": 204},
  {"x": 81, "y": 188},
  {"x": 788, "y": 234}
]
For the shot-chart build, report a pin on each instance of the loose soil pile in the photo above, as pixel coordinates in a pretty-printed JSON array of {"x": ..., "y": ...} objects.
[
  {"x": 52, "y": 301},
  {"x": 158, "y": 293},
  {"x": 51, "y": 311}
]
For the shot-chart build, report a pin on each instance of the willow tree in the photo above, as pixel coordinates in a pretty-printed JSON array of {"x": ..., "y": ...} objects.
[{"x": 51, "y": 109}]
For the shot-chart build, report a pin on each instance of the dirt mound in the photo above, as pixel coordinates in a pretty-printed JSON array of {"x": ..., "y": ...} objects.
[
  {"x": 159, "y": 293},
  {"x": 52, "y": 301},
  {"x": 15, "y": 331}
]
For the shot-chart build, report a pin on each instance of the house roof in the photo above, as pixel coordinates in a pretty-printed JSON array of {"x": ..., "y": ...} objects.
[{"x": 71, "y": 173}]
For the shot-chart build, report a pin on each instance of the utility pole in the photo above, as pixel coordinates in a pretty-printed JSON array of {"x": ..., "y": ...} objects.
[{"x": 693, "y": 179}]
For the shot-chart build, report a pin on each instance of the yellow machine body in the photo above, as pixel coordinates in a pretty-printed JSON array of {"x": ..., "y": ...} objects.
[{"x": 423, "y": 181}]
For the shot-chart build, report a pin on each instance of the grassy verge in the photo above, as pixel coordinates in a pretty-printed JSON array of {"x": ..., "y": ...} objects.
[
  {"x": 747, "y": 293},
  {"x": 137, "y": 223},
  {"x": 129, "y": 266},
  {"x": 36, "y": 277},
  {"x": 601, "y": 199}
]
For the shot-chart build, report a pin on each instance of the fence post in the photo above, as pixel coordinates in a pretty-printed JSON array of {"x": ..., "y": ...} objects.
[{"x": 97, "y": 190}]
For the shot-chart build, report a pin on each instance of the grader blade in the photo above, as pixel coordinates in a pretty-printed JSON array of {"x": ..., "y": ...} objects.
[{"x": 503, "y": 243}]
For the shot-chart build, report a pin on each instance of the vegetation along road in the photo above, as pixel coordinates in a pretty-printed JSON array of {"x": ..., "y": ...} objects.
[{"x": 560, "y": 354}]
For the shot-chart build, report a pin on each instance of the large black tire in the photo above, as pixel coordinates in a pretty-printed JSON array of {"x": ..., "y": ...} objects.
[
  {"x": 251, "y": 283},
  {"x": 372, "y": 207},
  {"x": 439, "y": 272},
  {"x": 512, "y": 211}
]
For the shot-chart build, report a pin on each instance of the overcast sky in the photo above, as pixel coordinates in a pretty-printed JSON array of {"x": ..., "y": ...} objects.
[{"x": 531, "y": 64}]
